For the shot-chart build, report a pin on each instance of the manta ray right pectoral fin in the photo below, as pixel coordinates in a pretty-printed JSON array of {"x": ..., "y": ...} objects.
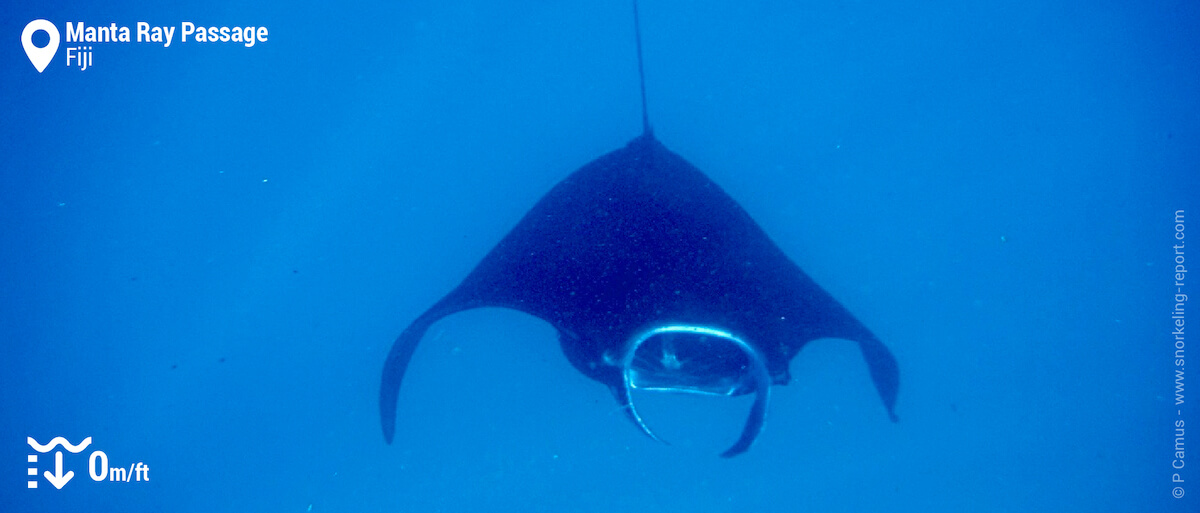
[{"x": 885, "y": 373}]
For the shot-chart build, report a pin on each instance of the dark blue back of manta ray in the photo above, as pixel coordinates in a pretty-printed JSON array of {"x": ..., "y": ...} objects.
[{"x": 640, "y": 238}]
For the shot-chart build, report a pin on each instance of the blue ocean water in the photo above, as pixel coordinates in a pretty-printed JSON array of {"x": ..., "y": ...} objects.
[{"x": 207, "y": 249}]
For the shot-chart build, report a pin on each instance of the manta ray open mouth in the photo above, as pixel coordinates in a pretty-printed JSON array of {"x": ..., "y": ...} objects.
[{"x": 696, "y": 360}]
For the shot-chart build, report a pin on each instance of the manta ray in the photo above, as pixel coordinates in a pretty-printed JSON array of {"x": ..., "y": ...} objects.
[{"x": 655, "y": 279}]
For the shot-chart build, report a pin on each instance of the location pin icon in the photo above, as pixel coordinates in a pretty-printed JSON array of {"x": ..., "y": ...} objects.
[{"x": 40, "y": 57}]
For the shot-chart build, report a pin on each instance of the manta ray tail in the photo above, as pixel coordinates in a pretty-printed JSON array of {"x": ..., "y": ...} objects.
[{"x": 637, "y": 30}]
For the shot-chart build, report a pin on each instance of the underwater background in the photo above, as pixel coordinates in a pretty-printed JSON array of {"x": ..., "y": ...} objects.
[{"x": 207, "y": 249}]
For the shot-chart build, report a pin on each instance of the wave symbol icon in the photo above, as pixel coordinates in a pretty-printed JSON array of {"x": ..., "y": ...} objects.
[{"x": 58, "y": 440}]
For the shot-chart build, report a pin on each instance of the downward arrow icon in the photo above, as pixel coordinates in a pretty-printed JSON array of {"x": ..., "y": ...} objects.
[{"x": 57, "y": 478}]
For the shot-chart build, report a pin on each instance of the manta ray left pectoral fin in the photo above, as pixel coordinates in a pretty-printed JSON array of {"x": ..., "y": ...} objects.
[{"x": 399, "y": 356}]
